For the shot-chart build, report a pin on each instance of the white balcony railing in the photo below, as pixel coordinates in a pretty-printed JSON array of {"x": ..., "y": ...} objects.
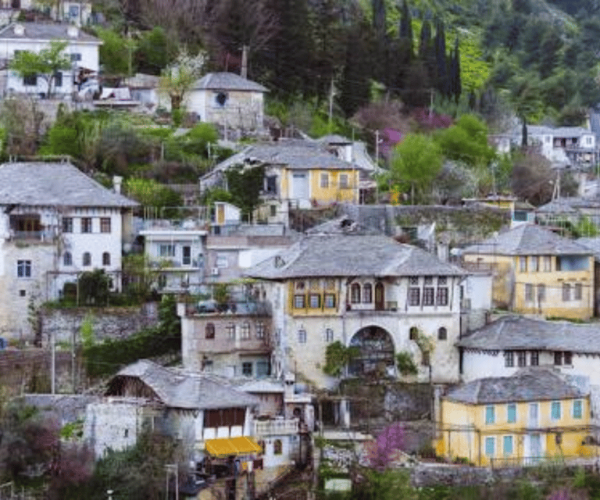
[{"x": 276, "y": 427}]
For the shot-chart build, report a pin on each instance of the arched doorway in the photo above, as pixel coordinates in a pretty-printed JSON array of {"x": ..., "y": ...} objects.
[{"x": 376, "y": 352}]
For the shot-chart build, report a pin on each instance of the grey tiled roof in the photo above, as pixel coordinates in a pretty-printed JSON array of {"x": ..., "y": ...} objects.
[
  {"x": 528, "y": 239},
  {"x": 54, "y": 184},
  {"x": 227, "y": 81},
  {"x": 46, "y": 31},
  {"x": 178, "y": 389},
  {"x": 592, "y": 243},
  {"x": 517, "y": 332},
  {"x": 351, "y": 255},
  {"x": 564, "y": 205},
  {"x": 532, "y": 384}
]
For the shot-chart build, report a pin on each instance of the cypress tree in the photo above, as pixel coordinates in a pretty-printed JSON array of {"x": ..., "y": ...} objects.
[
  {"x": 455, "y": 80},
  {"x": 441, "y": 60}
]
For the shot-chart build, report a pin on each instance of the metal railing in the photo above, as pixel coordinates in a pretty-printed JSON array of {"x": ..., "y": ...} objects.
[{"x": 276, "y": 427}]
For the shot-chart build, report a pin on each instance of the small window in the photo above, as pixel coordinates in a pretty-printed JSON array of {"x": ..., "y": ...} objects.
[
  {"x": 67, "y": 224},
  {"x": 86, "y": 224},
  {"x": 302, "y": 336},
  {"x": 442, "y": 333},
  {"x": 490, "y": 414},
  {"x": 230, "y": 328},
  {"x": 186, "y": 255},
  {"x": 87, "y": 259},
  {"x": 567, "y": 358},
  {"x": 566, "y": 292},
  {"x": 30, "y": 80},
  {"x": 413, "y": 333},
  {"x": 166, "y": 250},
  {"x": 535, "y": 358},
  {"x": 523, "y": 264},
  {"x": 367, "y": 293},
  {"x": 58, "y": 79},
  {"x": 247, "y": 369},
  {"x": 277, "y": 447},
  {"x": 344, "y": 181},
  {"x": 509, "y": 359},
  {"x": 511, "y": 413},
  {"x": 75, "y": 57},
  {"x": 273, "y": 209},
  {"x": 300, "y": 285},
  {"x": 507, "y": 443},
  {"x": 442, "y": 296},
  {"x": 355, "y": 293},
  {"x": 245, "y": 331},
  {"x": 299, "y": 301},
  {"x": 221, "y": 98},
  {"x": 578, "y": 291},
  {"x": 534, "y": 264},
  {"x": 209, "y": 331},
  {"x": 22, "y": 293},
  {"x": 426, "y": 358},
  {"x": 541, "y": 292},
  {"x": 558, "y": 358},
  {"x": 521, "y": 359},
  {"x": 490, "y": 446},
  {"x": 328, "y": 335},
  {"x": 105, "y": 225},
  {"x": 67, "y": 259},
  {"x": 555, "y": 410},
  {"x": 528, "y": 292},
  {"x": 547, "y": 263},
  {"x": 324, "y": 180},
  {"x": 260, "y": 330},
  {"x": 428, "y": 296},
  {"x": 578, "y": 409},
  {"x": 414, "y": 296},
  {"x": 329, "y": 301},
  {"x": 106, "y": 259},
  {"x": 314, "y": 300}
]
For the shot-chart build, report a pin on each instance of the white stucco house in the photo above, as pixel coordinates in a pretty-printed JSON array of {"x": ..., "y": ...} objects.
[
  {"x": 82, "y": 49},
  {"x": 55, "y": 223}
]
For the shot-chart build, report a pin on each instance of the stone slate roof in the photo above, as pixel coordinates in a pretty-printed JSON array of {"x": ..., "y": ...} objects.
[
  {"x": 351, "y": 255},
  {"x": 527, "y": 239},
  {"x": 54, "y": 184},
  {"x": 227, "y": 81},
  {"x": 565, "y": 205},
  {"x": 521, "y": 333},
  {"x": 46, "y": 31},
  {"x": 592, "y": 243},
  {"x": 179, "y": 389},
  {"x": 530, "y": 384}
]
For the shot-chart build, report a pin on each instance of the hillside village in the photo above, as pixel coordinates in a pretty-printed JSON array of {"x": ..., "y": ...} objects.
[{"x": 207, "y": 293}]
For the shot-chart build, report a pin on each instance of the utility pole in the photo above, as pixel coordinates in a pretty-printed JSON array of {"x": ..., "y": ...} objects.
[
  {"x": 377, "y": 147},
  {"x": 244, "y": 72},
  {"x": 52, "y": 363},
  {"x": 331, "y": 96}
]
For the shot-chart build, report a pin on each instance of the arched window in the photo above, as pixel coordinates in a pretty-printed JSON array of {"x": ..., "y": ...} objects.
[
  {"x": 442, "y": 334},
  {"x": 413, "y": 333},
  {"x": 87, "y": 259},
  {"x": 106, "y": 259},
  {"x": 355, "y": 293},
  {"x": 67, "y": 259},
  {"x": 277, "y": 447},
  {"x": 367, "y": 293},
  {"x": 209, "y": 331}
]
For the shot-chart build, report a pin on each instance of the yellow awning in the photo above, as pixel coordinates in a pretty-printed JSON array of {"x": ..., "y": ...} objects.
[{"x": 226, "y": 447}]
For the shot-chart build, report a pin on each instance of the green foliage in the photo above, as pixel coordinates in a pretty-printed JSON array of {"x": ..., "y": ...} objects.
[
  {"x": 116, "y": 53},
  {"x": 94, "y": 287},
  {"x": 245, "y": 185},
  {"x": 197, "y": 140},
  {"x": 585, "y": 228},
  {"x": 150, "y": 193},
  {"x": 337, "y": 357},
  {"x": 406, "y": 364},
  {"x": 466, "y": 141},
  {"x": 155, "y": 51},
  {"x": 87, "y": 331},
  {"x": 221, "y": 293}
]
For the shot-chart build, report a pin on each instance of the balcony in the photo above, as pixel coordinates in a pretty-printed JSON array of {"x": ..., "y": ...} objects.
[
  {"x": 43, "y": 236},
  {"x": 388, "y": 306},
  {"x": 277, "y": 427}
]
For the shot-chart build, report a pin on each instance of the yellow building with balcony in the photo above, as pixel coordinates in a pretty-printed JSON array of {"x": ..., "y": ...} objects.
[
  {"x": 532, "y": 416},
  {"x": 537, "y": 272}
]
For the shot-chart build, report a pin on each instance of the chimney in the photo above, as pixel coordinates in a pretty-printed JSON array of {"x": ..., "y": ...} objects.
[
  {"x": 117, "y": 182},
  {"x": 244, "y": 72},
  {"x": 19, "y": 29},
  {"x": 73, "y": 31}
]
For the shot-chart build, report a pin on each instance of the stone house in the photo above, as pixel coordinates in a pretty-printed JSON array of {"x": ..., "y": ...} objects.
[
  {"x": 82, "y": 49},
  {"x": 368, "y": 292},
  {"x": 559, "y": 212},
  {"x": 537, "y": 272},
  {"x": 55, "y": 223},
  {"x": 523, "y": 419}
]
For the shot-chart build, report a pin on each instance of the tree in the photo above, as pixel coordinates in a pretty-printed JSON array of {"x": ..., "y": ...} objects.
[
  {"x": 178, "y": 79},
  {"x": 532, "y": 178},
  {"x": 416, "y": 162},
  {"x": 150, "y": 193},
  {"x": 116, "y": 53},
  {"x": 383, "y": 452},
  {"x": 337, "y": 358},
  {"x": 46, "y": 63},
  {"x": 466, "y": 141},
  {"x": 245, "y": 185},
  {"x": 155, "y": 51}
]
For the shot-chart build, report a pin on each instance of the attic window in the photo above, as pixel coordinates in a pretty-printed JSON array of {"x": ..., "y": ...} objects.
[
  {"x": 279, "y": 262},
  {"x": 221, "y": 98}
]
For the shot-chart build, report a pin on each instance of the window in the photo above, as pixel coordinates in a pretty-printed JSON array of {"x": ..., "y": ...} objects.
[
  {"x": 166, "y": 250},
  {"x": 490, "y": 446},
  {"x": 521, "y": 359},
  {"x": 260, "y": 330},
  {"x": 30, "y": 80},
  {"x": 300, "y": 285},
  {"x": 344, "y": 181},
  {"x": 186, "y": 259},
  {"x": 414, "y": 296},
  {"x": 567, "y": 358},
  {"x": 413, "y": 281},
  {"x": 563, "y": 358},
  {"x": 67, "y": 224},
  {"x": 247, "y": 369},
  {"x": 299, "y": 301},
  {"x": 273, "y": 209},
  {"x": 24, "y": 269},
  {"x": 277, "y": 447},
  {"x": 314, "y": 299},
  {"x": 86, "y": 224},
  {"x": 75, "y": 57},
  {"x": 490, "y": 414},
  {"x": 355, "y": 293},
  {"x": 22, "y": 293},
  {"x": 509, "y": 359},
  {"x": 578, "y": 291},
  {"x": 578, "y": 409},
  {"x": 428, "y": 296},
  {"x": 507, "y": 445},
  {"x": 209, "y": 331},
  {"x": 442, "y": 334},
  {"x": 222, "y": 261},
  {"x": 245, "y": 331},
  {"x": 302, "y": 336},
  {"x": 523, "y": 264},
  {"x": 442, "y": 280},
  {"x": 555, "y": 410},
  {"x": 262, "y": 369},
  {"x": 511, "y": 413},
  {"x": 271, "y": 184},
  {"x": 428, "y": 280},
  {"x": 442, "y": 296},
  {"x": 547, "y": 263},
  {"x": 67, "y": 259},
  {"x": 534, "y": 264},
  {"x": 324, "y": 180},
  {"x": 106, "y": 259},
  {"x": 566, "y": 292},
  {"x": 541, "y": 292},
  {"x": 221, "y": 98},
  {"x": 367, "y": 293},
  {"x": 535, "y": 358},
  {"x": 58, "y": 79},
  {"x": 87, "y": 259},
  {"x": 105, "y": 224},
  {"x": 230, "y": 328},
  {"x": 413, "y": 333},
  {"x": 329, "y": 301},
  {"x": 528, "y": 292},
  {"x": 328, "y": 335}
]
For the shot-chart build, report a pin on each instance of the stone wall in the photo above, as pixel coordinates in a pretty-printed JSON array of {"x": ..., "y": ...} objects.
[{"x": 107, "y": 322}]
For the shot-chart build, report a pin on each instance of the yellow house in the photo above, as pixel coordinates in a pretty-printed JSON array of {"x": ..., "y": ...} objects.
[
  {"x": 537, "y": 272},
  {"x": 529, "y": 417}
]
